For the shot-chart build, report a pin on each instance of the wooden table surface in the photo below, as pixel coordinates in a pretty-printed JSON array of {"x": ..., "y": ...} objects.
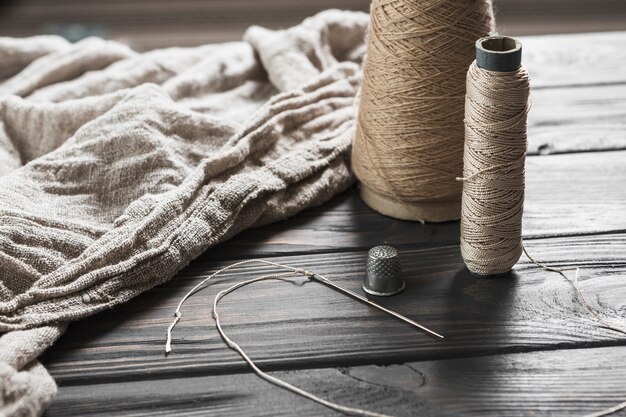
[{"x": 516, "y": 346}]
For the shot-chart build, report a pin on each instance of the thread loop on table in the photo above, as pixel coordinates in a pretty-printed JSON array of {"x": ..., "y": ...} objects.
[{"x": 353, "y": 411}]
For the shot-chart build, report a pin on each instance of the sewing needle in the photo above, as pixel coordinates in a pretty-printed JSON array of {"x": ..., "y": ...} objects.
[{"x": 405, "y": 319}]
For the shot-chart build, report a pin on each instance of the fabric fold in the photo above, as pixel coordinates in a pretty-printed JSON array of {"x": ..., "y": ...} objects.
[{"x": 118, "y": 168}]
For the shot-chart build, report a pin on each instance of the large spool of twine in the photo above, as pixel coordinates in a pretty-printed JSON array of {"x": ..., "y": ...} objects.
[
  {"x": 408, "y": 148},
  {"x": 495, "y": 151}
]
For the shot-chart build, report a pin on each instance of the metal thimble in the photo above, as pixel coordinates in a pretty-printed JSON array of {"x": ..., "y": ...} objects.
[{"x": 383, "y": 276}]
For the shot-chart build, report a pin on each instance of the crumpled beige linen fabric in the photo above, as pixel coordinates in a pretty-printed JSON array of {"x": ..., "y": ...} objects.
[{"x": 118, "y": 168}]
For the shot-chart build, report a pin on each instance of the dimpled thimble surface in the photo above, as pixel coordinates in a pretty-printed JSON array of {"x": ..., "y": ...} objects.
[{"x": 383, "y": 276}]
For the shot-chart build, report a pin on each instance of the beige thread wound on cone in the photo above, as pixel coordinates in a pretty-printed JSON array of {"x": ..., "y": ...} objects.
[
  {"x": 409, "y": 141},
  {"x": 493, "y": 174}
]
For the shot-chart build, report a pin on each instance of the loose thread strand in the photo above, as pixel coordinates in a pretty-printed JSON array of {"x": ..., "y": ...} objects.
[
  {"x": 201, "y": 285},
  {"x": 233, "y": 345},
  {"x": 608, "y": 411},
  {"x": 579, "y": 294},
  {"x": 582, "y": 300},
  {"x": 270, "y": 378},
  {"x": 298, "y": 271}
]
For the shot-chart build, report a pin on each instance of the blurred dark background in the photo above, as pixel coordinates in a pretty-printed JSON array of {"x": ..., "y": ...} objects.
[{"x": 147, "y": 24}]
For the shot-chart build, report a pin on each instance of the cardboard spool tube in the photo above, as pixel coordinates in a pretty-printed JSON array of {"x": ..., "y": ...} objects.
[
  {"x": 498, "y": 54},
  {"x": 430, "y": 211}
]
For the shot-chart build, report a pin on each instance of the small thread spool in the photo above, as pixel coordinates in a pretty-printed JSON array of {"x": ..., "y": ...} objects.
[
  {"x": 496, "y": 110},
  {"x": 408, "y": 147}
]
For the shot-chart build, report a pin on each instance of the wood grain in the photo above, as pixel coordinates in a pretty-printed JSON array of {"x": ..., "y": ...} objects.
[
  {"x": 561, "y": 383},
  {"x": 285, "y": 326},
  {"x": 575, "y": 194},
  {"x": 577, "y": 119},
  {"x": 575, "y": 59}
]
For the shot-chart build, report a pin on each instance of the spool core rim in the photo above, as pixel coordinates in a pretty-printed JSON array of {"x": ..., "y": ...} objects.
[
  {"x": 428, "y": 211},
  {"x": 384, "y": 294},
  {"x": 499, "y": 53}
]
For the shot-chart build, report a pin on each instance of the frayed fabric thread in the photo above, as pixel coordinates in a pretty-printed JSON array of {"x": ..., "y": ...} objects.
[{"x": 352, "y": 411}]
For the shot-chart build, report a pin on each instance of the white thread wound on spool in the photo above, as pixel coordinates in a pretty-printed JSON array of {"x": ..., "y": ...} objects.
[
  {"x": 408, "y": 146},
  {"x": 493, "y": 175}
]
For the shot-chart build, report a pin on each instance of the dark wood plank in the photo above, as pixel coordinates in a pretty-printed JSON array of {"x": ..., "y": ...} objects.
[
  {"x": 579, "y": 119},
  {"x": 565, "y": 195},
  {"x": 343, "y": 224},
  {"x": 287, "y": 326},
  {"x": 575, "y": 59},
  {"x": 575, "y": 194},
  {"x": 563, "y": 383}
]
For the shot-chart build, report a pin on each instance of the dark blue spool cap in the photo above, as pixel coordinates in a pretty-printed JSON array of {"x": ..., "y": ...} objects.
[{"x": 499, "y": 53}]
